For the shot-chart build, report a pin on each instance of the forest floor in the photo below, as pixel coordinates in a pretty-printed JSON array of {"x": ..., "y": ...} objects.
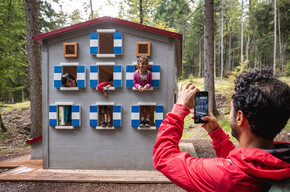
[{"x": 12, "y": 144}]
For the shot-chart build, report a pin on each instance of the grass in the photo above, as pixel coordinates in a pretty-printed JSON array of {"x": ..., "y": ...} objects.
[
  {"x": 225, "y": 124},
  {"x": 198, "y": 82},
  {"x": 14, "y": 149},
  {"x": 186, "y": 135},
  {"x": 1, "y": 136},
  {"x": 287, "y": 127},
  {"x": 285, "y": 79},
  {"x": 19, "y": 106}
]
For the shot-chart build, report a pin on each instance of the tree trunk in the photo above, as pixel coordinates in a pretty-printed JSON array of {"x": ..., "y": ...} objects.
[
  {"x": 92, "y": 12},
  {"x": 247, "y": 47},
  {"x": 222, "y": 41},
  {"x": 22, "y": 95},
  {"x": 4, "y": 129},
  {"x": 230, "y": 44},
  {"x": 34, "y": 67},
  {"x": 242, "y": 31},
  {"x": 256, "y": 53},
  {"x": 281, "y": 54},
  {"x": 141, "y": 11},
  {"x": 199, "y": 61},
  {"x": 275, "y": 41},
  {"x": 12, "y": 98},
  {"x": 209, "y": 53},
  {"x": 214, "y": 60}
]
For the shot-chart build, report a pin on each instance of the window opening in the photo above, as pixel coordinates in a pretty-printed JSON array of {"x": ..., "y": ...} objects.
[
  {"x": 147, "y": 112},
  {"x": 70, "y": 49},
  {"x": 105, "y": 72},
  {"x": 143, "y": 49},
  {"x": 106, "y": 43},
  {"x": 68, "y": 76},
  {"x": 64, "y": 115},
  {"x": 105, "y": 116}
]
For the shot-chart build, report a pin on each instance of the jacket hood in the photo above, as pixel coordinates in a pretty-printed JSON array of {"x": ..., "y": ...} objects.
[{"x": 266, "y": 164}]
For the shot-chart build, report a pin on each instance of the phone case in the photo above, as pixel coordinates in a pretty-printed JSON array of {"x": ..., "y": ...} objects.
[{"x": 201, "y": 106}]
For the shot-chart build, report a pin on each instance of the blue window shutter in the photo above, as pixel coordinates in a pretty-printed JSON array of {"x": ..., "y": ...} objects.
[
  {"x": 118, "y": 43},
  {"x": 129, "y": 75},
  {"x": 57, "y": 76},
  {"x": 135, "y": 116},
  {"x": 158, "y": 115},
  {"x": 81, "y": 76},
  {"x": 94, "y": 43},
  {"x": 117, "y": 116},
  {"x": 76, "y": 115},
  {"x": 117, "y": 76},
  {"x": 94, "y": 75},
  {"x": 155, "y": 75},
  {"x": 93, "y": 115},
  {"x": 53, "y": 115}
]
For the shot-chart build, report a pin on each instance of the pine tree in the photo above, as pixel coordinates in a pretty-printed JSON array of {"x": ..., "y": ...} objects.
[
  {"x": 34, "y": 61},
  {"x": 208, "y": 53}
]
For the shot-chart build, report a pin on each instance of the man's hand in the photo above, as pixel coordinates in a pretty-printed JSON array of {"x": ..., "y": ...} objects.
[
  {"x": 211, "y": 124},
  {"x": 107, "y": 86},
  {"x": 186, "y": 95}
]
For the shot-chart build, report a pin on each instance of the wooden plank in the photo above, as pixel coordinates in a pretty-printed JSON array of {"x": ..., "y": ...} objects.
[{"x": 31, "y": 170}]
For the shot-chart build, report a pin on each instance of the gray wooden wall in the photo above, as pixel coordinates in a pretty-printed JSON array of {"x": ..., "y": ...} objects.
[{"x": 85, "y": 147}]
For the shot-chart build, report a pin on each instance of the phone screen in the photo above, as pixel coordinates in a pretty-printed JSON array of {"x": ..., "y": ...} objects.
[{"x": 201, "y": 106}]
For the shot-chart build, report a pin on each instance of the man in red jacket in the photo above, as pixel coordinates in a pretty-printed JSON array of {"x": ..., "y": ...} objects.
[{"x": 260, "y": 109}]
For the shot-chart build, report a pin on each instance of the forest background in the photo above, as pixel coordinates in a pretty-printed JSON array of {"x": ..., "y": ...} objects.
[{"x": 245, "y": 33}]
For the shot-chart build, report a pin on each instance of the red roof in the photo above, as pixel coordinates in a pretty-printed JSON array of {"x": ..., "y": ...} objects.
[
  {"x": 34, "y": 140},
  {"x": 107, "y": 19}
]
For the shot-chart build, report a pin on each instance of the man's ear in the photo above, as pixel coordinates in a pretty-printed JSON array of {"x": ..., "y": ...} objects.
[{"x": 241, "y": 118}]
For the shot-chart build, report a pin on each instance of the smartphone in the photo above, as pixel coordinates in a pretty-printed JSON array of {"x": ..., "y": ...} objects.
[{"x": 201, "y": 106}]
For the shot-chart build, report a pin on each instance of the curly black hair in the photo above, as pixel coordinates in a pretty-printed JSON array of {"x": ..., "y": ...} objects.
[
  {"x": 265, "y": 101},
  {"x": 64, "y": 78}
]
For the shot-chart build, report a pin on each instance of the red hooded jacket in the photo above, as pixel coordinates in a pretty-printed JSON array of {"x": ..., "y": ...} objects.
[
  {"x": 234, "y": 169},
  {"x": 101, "y": 86}
]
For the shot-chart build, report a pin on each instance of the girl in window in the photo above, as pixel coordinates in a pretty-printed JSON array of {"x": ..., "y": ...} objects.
[{"x": 142, "y": 79}]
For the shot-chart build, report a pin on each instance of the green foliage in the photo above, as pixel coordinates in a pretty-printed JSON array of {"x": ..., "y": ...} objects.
[
  {"x": 287, "y": 69},
  {"x": 172, "y": 12},
  {"x": 133, "y": 12},
  {"x": 48, "y": 18},
  {"x": 75, "y": 17},
  {"x": 14, "y": 82},
  {"x": 13, "y": 58},
  {"x": 226, "y": 89},
  {"x": 238, "y": 70}
]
